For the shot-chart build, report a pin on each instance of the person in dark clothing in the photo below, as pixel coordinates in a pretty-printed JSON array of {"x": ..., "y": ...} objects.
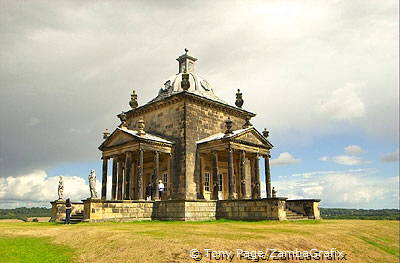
[
  {"x": 68, "y": 208},
  {"x": 149, "y": 191}
]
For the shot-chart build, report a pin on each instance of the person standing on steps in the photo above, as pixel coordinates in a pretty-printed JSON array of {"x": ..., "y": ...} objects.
[
  {"x": 160, "y": 189},
  {"x": 68, "y": 208}
]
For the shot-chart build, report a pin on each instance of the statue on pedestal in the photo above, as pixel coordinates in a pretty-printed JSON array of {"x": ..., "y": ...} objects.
[
  {"x": 273, "y": 192},
  {"x": 61, "y": 189},
  {"x": 92, "y": 184}
]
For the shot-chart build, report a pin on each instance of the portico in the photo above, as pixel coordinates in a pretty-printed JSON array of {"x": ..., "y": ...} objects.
[{"x": 138, "y": 158}]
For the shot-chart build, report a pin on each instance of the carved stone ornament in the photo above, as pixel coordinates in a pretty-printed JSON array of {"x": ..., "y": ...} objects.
[
  {"x": 265, "y": 133},
  {"x": 133, "y": 102},
  {"x": 140, "y": 125},
  {"x": 106, "y": 133},
  {"x": 185, "y": 84},
  {"x": 122, "y": 117},
  {"x": 228, "y": 124},
  {"x": 239, "y": 99}
]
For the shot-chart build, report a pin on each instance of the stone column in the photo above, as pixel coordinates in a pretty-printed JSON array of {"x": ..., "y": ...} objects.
[
  {"x": 120, "y": 178},
  {"x": 132, "y": 183},
  {"x": 242, "y": 169},
  {"x": 267, "y": 176},
  {"x": 257, "y": 192},
  {"x": 140, "y": 175},
  {"x": 104, "y": 179},
  {"x": 231, "y": 179},
  {"x": 128, "y": 169},
  {"x": 199, "y": 176},
  {"x": 215, "y": 173},
  {"x": 170, "y": 175},
  {"x": 156, "y": 175},
  {"x": 114, "y": 178}
]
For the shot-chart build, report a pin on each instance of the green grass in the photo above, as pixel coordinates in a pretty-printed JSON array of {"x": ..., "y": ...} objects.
[
  {"x": 388, "y": 249},
  {"x": 32, "y": 249}
]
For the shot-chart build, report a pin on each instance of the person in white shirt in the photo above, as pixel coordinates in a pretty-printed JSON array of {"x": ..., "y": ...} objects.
[{"x": 161, "y": 189}]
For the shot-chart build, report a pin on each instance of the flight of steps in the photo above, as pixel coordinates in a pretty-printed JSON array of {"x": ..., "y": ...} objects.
[
  {"x": 292, "y": 215},
  {"x": 76, "y": 218}
]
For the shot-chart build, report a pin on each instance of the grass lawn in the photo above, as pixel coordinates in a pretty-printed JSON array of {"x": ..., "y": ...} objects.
[{"x": 362, "y": 240}]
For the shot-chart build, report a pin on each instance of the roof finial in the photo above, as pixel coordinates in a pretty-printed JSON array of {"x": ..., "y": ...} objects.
[
  {"x": 122, "y": 117},
  {"x": 106, "y": 133},
  {"x": 133, "y": 102},
  {"x": 265, "y": 133},
  {"x": 239, "y": 99},
  {"x": 186, "y": 51},
  {"x": 140, "y": 125},
  {"x": 228, "y": 124}
]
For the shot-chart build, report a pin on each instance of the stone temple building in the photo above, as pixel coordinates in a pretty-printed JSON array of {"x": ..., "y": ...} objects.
[{"x": 205, "y": 151}]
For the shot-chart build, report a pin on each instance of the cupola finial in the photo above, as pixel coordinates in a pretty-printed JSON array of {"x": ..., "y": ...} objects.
[{"x": 186, "y": 62}]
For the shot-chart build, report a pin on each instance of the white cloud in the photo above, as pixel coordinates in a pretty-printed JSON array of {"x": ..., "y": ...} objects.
[
  {"x": 348, "y": 188},
  {"x": 390, "y": 157},
  {"x": 37, "y": 187},
  {"x": 353, "y": 150},
  {"x": 284, "y": 159},
  {"x": 348, "y": 160},
  {"x": 343, "y": 103},
  {"x": 324, "y": 158}
]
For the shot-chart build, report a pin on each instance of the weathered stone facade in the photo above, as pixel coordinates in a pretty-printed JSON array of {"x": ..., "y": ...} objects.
[{"x": 205, "y": 151}]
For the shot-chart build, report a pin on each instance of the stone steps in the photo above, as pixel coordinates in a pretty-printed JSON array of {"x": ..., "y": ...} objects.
[
  {"x": 292, "y": 215},
  {"x": 76, "y": 218}
]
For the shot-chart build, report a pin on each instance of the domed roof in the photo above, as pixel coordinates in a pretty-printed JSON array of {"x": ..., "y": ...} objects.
[{"x": 198, "y": 85}]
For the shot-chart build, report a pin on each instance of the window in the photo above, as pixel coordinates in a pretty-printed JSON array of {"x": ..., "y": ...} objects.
[
  {"x": 207, "y": 181},
  {"x": 220, "y": 182},
  {"x": 165, "y": 181}
]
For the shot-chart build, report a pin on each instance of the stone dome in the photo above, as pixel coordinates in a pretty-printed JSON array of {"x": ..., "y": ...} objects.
[{"x": 198, "y": 85}]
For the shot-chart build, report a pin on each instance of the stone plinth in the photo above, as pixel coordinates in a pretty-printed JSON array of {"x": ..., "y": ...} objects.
[
  {"x": 252, "y": 209},
  {"x": 58, "y": 210},
  {"x": 307, "y": 207},
  {"x": 97, "y": 210}
]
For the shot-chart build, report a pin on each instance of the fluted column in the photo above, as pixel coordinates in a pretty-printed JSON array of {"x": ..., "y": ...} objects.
[
  {"x": 140, "y": 175},
  {"x": 156, "y": 175},
  {"x": 231, "y": 179},
  {"x": 242, "y": 169},
  {"x": 104, "y": 179},
  {"x": 128, "y": 169},
  {"x": 120, "y": 178},
  {"x": 257, "y": 192},
  {"x": 114, "y": 178},
  {"x": 267, "y": 176},
  {"x": 215, "y": 172}
]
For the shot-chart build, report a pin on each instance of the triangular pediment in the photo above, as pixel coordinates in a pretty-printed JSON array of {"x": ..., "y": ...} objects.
[
  {"x": 252, "y": 136},
  {"x": 117, "y": 138}
]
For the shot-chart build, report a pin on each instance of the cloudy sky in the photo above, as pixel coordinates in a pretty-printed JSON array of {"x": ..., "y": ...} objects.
[{"x": 322, "y": 76}]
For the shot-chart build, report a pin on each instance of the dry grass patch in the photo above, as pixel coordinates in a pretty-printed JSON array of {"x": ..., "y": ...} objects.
[{"x": 362, "y": 240}]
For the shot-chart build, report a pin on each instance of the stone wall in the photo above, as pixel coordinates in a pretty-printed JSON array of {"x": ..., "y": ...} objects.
[
  {"x": 254, "y": 209},
  {"x": 58, "y": 210},
  {"x": 202, "y": 120},
  {"x": 168, "y": 121},
  {"x": 307, "y": 207},
  {"x": 185, "y": 210},
  {"x": 99, "y": 211}
]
